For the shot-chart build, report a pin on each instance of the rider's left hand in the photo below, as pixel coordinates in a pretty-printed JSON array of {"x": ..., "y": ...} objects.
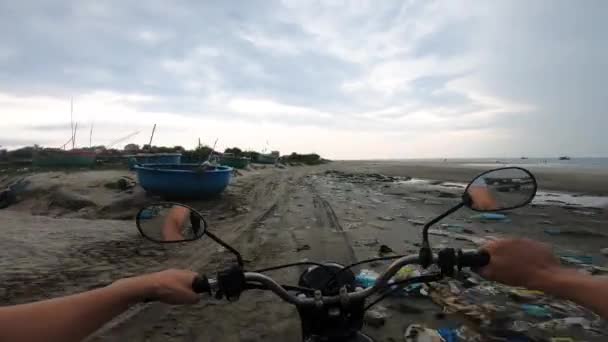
[{"x": 170, "y": 286}]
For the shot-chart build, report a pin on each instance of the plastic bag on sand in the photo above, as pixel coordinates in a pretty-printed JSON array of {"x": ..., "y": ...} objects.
[{"x": 367, "y": 278}]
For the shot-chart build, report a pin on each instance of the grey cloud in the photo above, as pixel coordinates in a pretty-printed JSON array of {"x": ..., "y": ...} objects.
[{"x": 547, "y": 54}]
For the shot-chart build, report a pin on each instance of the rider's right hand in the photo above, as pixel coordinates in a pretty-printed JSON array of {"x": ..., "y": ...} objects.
[
  {"x": 170, "y": 286},
  {"x": 520, "y": 262}
]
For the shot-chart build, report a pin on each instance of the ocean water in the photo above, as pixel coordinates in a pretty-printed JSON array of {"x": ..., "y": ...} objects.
[{"x": 577, "y": 163}]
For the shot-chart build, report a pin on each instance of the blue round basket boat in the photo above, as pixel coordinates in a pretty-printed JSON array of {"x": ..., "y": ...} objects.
[{"x": 183, "y": 181}]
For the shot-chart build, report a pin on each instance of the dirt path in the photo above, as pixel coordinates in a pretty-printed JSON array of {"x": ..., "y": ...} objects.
[{"x": 272, "y": 216}]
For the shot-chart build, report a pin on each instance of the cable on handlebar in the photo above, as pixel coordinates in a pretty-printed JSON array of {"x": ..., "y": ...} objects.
[
  {"x": 333, "y": 278},
  {"x": 251, "y": 286},
  {"x": 398, "y": 285},
  {"x": 303, "y": 263}
]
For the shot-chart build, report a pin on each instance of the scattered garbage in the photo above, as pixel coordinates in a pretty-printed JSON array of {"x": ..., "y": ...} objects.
[
  {"x": 416, "y": 222},
  {"x": 304, "y": 247},
  {"x": 570, "y": 259},
  {"x": 536, "y": 311},
  {"x": 522, "y": 295},
  {"x": 367, "y": 278},
  {"x": 448, "y": 334},
  {"x": 124, "y": 183},
  {"x": 573, "y": 232},
  {"x": 386, "y": 218},
  {"x": 375, "y": 317},
  {"x": 565, "y": 323},
  {"x": 456, "y": 228},
  {"x": 418, "y": 333},
  {"x": 406, "y": 272},
  {"x": 384, "y": 249},
  {"x": 454, "y": 288},
  {"x": 496, "y": 217}
]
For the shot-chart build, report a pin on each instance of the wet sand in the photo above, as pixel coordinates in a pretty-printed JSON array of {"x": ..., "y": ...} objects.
[
  {"x": 272, "y": 216},
  {"x": 584, "y": 181}
]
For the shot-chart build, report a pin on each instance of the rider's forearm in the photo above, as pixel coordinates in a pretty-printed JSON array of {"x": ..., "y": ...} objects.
[
  {"x": 586, "y": 290},
  {"x": 70, "y": 318}
]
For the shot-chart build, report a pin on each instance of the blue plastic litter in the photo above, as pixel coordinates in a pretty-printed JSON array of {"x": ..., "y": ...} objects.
[
  {"x": 448, "y": 334},
  {"x": 536, "y": 311},
  {"x": 367, "y": 278},
  {"x": 491, "y": 217},
  {"x": 576, "y": 259},
  {"x": 553, "y": 231}
]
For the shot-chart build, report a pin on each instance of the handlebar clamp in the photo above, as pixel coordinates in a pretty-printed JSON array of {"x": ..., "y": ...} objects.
[{"x": 231, "y": 282}]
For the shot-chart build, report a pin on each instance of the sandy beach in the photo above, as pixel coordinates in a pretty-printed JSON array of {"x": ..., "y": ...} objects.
[{"x": 341, "y": 211}]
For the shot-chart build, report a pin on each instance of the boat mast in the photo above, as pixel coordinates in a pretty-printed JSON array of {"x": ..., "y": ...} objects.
[
  {"x": 74, "y": 137},
  {"x": 72, "y": 120},
  {"x": 91, "y": 136},
  {"x": 152, "y": 136}
]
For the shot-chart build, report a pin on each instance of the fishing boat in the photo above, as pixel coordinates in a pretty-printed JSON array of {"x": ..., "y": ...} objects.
[
  {"x": 153, "y": 158},
  {"x": 61, "y": 158},
  {"x": 229, "y": 159},
  {"x": 183, "y": 181},
  {"x": 564, "y": 158},
  {"x": 270, "y": 158}
]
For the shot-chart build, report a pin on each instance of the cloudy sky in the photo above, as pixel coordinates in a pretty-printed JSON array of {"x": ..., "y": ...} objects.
[{"x": 346, "y": 79}]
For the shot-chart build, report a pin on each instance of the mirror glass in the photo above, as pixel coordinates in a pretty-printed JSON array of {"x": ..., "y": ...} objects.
[
  {"x": 501, "y": 189},
  {"x": 170, "y": 222}
]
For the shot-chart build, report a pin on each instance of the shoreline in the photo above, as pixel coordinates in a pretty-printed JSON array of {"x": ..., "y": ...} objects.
[{"x": 569, "y": 180}]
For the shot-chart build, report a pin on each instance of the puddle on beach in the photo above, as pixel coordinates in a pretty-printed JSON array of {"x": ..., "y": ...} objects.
[{"x": 562, "y": 198}]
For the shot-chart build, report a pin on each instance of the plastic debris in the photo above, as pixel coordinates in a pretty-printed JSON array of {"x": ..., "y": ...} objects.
[
  {"x": 536, "y": 311},
  {"x": 565, "y": 323},
  {"x": 367, "y": 278},
  {"x": 525, "y": 295},
  {"x": 491, "y": 217},
  {"x": 521, "y": 326},
  {"x": 386, "y": 218},
  {"x": 454, "y": 288},
  {"x": 448, "y": 334},
  {"x": 416, "y": 222},
  {"x": 375, "y": 317},
  {"x": 572, "y": 232},
  {"x": 576, "y": 259},
  {"x": 384, "y": 249},
  {"x": 418, "y": 333},
  {"x": 406, "y": 272}
]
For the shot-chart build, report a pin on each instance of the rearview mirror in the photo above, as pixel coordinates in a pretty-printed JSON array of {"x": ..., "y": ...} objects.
[
  {"x": 170, "y": 222},
  {"x": 501, "y": 189}
]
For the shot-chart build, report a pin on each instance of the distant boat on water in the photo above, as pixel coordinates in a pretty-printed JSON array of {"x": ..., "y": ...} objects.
[{"x": 564, "y": 158}]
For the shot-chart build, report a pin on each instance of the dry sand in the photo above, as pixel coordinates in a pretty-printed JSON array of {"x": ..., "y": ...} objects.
[{"x": 272, "y": 216}]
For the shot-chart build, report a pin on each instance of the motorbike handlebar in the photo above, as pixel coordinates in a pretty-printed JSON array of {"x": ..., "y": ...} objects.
[{"x": 202, "y": 284}]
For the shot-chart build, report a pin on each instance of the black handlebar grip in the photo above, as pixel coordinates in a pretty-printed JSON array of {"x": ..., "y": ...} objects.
[
  {"x": 200, "y": 284},
  {"x": 474, "y": 259}
]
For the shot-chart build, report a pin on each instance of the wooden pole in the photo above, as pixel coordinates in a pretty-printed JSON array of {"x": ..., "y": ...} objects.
[
  {"x": 72, "y": 120},
  {"x": 74, "y": 138},
  {"x": 152, "y": 136}
]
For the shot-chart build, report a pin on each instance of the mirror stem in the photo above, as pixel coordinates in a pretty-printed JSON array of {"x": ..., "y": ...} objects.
[
  {"x": 239, "y": 259},
  {"x": 426, "y": 255}
]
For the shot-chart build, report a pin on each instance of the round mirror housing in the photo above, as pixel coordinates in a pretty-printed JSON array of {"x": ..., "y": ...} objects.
[
  {"x": 500, "y": 189},
  {"x": 170, "y": 223}
]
